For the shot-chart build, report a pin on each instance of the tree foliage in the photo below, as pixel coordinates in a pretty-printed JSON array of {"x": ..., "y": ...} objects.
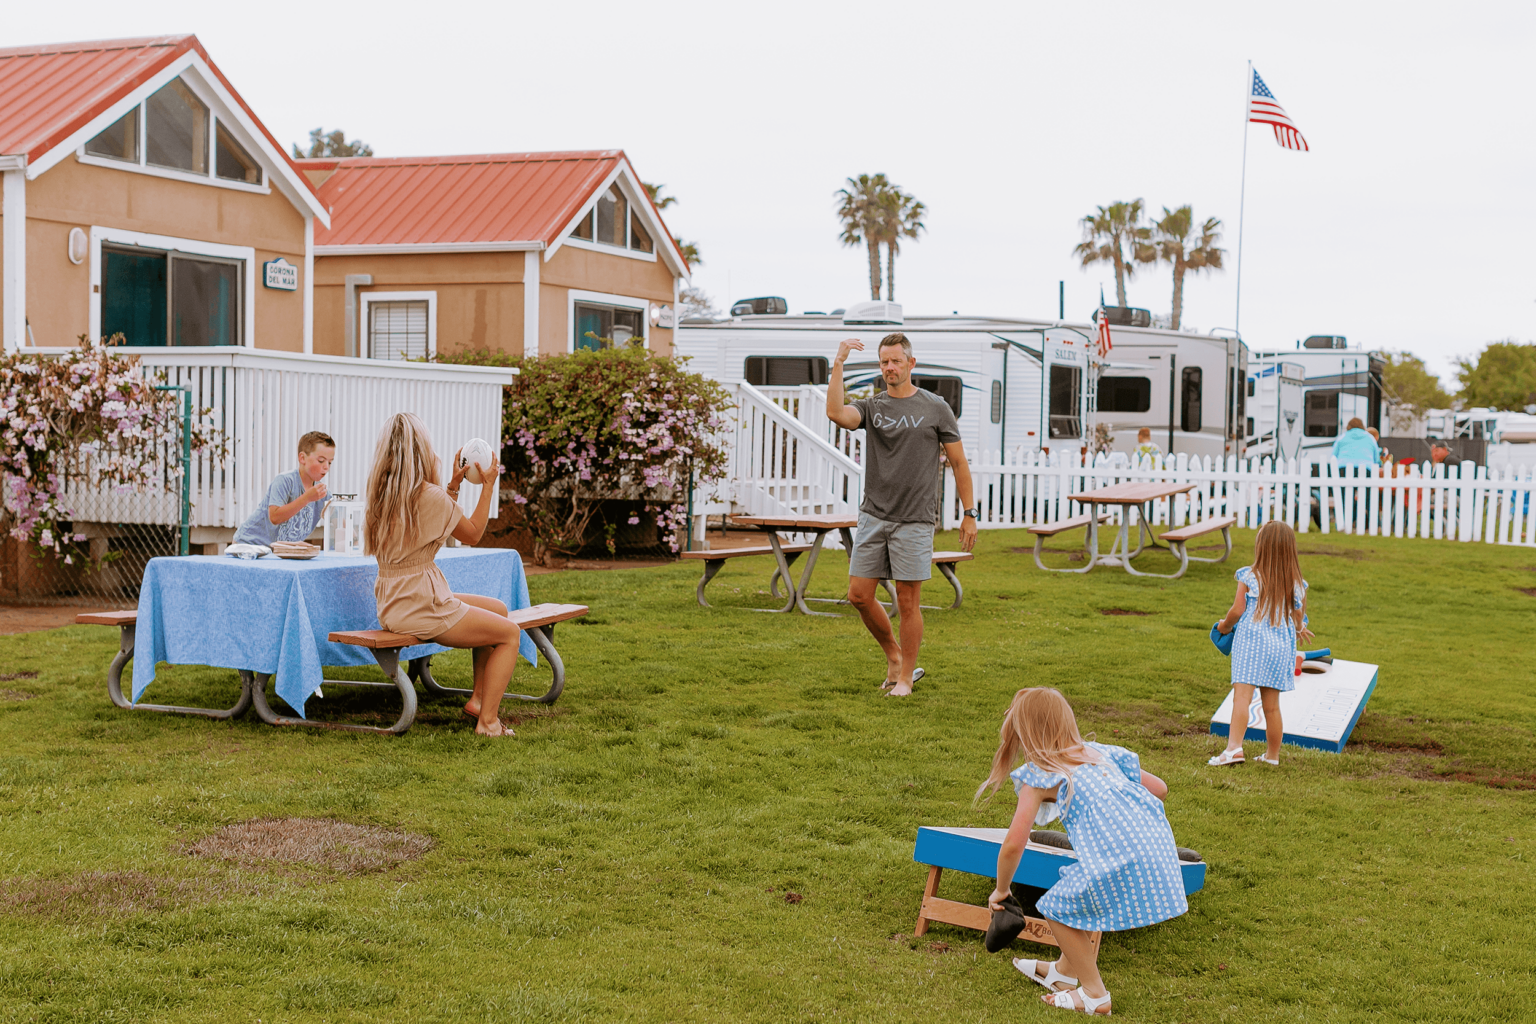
[
  {"x": 1187, "y": 248},
  {"x": 1114, "y": 234},
  {"x": 331, "y": 144},
  {"x": 1501, "y": 376},
  {"x": 690, "y": 250},
  {"x": 1411, "y": 387},
  {"x": 87, "y": 416},
  {"x": 592, "y": 425}
]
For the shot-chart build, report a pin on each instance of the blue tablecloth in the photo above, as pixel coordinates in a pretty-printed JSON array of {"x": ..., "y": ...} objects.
[{"x": 273, "y": 615}]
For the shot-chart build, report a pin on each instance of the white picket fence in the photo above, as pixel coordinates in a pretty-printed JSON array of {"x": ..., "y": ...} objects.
[
  {"x": 1468, "y": 503},
  {"x": 261, "y": 402}
]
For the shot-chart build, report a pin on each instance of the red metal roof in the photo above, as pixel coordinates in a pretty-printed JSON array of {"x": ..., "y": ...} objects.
[
  {"x": 446, "y": 200},
  {"x": 47, "y": 93}
]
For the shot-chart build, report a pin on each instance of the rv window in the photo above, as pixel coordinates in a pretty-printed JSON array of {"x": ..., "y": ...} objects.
[
  {"x": 1066, "y": 390},
  {"x": 785, "y": 371},
  {"x": 1253, "y": 385},
  {"x": 997, "y": 401},
  {"x": 120, "y": 140},
  {"x": 177, "y": 129},
  {"x": 1191, "y": 399},
  {"x": 947, "y": 388},
  {"x": 1322, "y": 414},
  {"x": 1125, "y": 394},
  {"x": 599, "y": 327},
  {"x": 1249, "y": 432}
]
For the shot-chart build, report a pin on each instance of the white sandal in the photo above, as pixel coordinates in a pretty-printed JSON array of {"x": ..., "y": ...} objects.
[
  {"x": 1063, "y": 1001},
  {"x": 1226, "y": 757},
  {"x": 1052, "y": 976},
  {"x": 1265, "y": 760}
]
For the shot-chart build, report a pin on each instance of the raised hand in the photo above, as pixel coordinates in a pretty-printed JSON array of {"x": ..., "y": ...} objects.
[{"x": 851, "y": 345}]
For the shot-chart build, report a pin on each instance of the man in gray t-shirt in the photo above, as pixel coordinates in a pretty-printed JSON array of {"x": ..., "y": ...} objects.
[{"x": 906, "y": 429}]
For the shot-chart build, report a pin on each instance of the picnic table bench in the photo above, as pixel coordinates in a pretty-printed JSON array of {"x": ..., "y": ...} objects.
[
  {"x": 1045, "y": 530},
  {"x": 127, "y": 624},
  {"x": 714, "y": 561},
  {"x": 1179, "y": 539}
]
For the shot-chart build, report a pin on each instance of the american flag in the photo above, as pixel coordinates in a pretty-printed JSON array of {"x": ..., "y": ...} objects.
[
  {"x": 1104, "y": 343},
  {"x": 1262, "y": 109}
]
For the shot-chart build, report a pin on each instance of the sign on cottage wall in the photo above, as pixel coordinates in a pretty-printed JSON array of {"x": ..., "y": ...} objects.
[{"x": 282, "y": 275}]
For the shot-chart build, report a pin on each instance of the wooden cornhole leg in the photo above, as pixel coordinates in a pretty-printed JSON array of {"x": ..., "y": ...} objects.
[{"x": 967, "y": 915}]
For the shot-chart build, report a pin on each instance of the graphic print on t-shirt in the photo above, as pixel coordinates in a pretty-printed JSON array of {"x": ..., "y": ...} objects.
[{"x": 903, "y": 439}]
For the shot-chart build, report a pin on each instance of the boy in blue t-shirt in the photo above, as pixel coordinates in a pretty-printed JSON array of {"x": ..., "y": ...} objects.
[{"x": 296, "y": 499}]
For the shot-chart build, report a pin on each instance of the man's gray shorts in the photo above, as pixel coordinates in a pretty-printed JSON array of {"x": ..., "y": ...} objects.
[{"x": 892, "y": 551}]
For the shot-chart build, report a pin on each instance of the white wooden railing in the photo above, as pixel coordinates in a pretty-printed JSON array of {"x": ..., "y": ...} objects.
[
  {"x": 808, "y": 404},
  {"x": 1026, "y": 488},
  {"x": 262, "y": 402},
  {"x": 779, "y": 464}
]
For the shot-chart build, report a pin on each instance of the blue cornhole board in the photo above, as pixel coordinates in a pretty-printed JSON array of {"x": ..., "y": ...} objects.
[
  {"x": 974, "y": 850},
  {"x": 1319, "y": 713}
]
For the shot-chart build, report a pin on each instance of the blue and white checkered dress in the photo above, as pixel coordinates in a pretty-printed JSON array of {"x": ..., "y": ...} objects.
[
  {"x": 1127, "y": 872},
  {"x": 1264, "y": 654}
]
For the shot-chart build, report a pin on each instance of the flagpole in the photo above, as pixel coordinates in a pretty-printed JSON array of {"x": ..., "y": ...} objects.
[{"x": 1242, "y": 195}]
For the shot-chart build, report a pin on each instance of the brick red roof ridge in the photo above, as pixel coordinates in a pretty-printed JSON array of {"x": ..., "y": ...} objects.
[
  {"x": 92, "y": 45},
  {"x": 463, "y": 158}
]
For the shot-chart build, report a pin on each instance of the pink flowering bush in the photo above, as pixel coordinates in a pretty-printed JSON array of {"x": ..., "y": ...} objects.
[
  {"x": 591, "y": 425},
  {"x": 89, "y": 414}
]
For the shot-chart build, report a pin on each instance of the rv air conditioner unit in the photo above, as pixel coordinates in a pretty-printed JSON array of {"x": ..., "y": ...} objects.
[
  {"x": 1325, "y": 341},
  {"x": 875, "y": 312},
  {"x": 1127, "y": 316},
  {"x": 759, "y": 307}
]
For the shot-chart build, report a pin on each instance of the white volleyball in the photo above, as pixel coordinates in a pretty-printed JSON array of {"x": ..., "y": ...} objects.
[{"x": 475, "y": 457}]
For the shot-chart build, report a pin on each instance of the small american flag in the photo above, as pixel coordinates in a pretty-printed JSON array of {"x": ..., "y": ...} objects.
[
  {"x": 1104, "y": 343},
  {"x": 1262, "y": 109}
]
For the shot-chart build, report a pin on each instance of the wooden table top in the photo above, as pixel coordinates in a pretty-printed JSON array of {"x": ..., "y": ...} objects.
[
  {"x": 820, "y": 522},
  {"x": 1131, "y": 493}
]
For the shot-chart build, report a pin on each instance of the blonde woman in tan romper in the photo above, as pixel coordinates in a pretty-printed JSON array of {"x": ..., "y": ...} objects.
[{"x": 410, "y": 517}]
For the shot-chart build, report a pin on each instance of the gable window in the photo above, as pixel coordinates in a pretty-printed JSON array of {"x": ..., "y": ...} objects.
[
  {"x": 174, "y": 130},
  {"x": 599, "y": 327},
  {"x": 120, "y": 141},
  {"x": 157, "y": 298},
  {"x": 613, "y": 222}
]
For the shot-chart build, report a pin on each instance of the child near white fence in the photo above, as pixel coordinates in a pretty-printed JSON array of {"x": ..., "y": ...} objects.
[{"x": 1268, "y": 613}]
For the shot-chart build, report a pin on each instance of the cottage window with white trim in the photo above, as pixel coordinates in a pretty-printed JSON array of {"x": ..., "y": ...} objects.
[
  {"x": 599, "y": 327},
  {"x": 399, "y": 330},
  {"x": 154, "y": 297},
  {"x": 613, "y": 222},
  {"x": 174, "y": 130}
]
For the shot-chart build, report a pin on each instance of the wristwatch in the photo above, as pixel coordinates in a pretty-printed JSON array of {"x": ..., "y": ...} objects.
[{"x": 974, "y": 513}]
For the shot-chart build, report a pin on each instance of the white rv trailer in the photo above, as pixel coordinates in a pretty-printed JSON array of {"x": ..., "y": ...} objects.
[
  {"x": 1012, "y": 383},
  {"x": 1188, "y": 389},
  {"x": 1339, "y": 384}
]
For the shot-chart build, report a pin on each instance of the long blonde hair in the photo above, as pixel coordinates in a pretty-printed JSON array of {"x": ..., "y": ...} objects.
[
  {"x": 1278, "y": 569},
  {"x": 1039, "y": 727},
  {"x": 403, "y": 461}
]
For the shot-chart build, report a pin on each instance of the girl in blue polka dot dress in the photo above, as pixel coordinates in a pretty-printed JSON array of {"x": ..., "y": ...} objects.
[
  {"x": 1269, "y": 614},
  {"x": 1127, "y": 870}
]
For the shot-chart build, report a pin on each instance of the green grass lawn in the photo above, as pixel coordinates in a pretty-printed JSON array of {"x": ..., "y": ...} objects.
[{"x": 716, "y": 822}]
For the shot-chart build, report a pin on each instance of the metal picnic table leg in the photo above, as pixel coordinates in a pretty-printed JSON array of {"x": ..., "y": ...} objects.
[
  {"x": 126, "y": 638},
  {"x": 1177, "y": 548},
  {"x": 798, "y": 598},
  {"x": 389, "y": 661},
  {"x": 543, "y": 638}
]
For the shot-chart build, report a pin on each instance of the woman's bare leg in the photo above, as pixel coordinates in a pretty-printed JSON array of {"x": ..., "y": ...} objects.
[
  {"x": 481, "y": 654},
  {"x": 483, "y": 628},
  {"x": 1242, "y": 699},
  {"x": 1274, "y": 729},
  {"x": 1081, "y": 955}
]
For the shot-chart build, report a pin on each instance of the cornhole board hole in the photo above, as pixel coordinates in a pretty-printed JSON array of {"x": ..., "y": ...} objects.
[
  {"x": 974, "y": 851},
  {"x": 1320, "y": 713}
]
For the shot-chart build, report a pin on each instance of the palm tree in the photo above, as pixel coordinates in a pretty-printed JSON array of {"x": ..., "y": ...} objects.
[
  {"x": 859, "y": 208},
  {"x": 1175, "y": 246},
  {"x": 1108, "y": 233},
  {"x": 901, "y": 216}
]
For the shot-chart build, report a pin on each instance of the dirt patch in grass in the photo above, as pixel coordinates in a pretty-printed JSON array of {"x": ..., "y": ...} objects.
[
  {"x": 1353, "y": 554},
  {"x": 334, "y": 846},
  {"x": 1420, "y": 755},
  {"x": 1121, "y": 721},
  {"x": 92, "y": 894},
  {"x": 16, "y": 695},
  {"x": 1123, "y": 611},
  {"x": 1385, "y": 734},
  {"x": 1527, "y": 591},
  {"x": 11, "y": 677}
]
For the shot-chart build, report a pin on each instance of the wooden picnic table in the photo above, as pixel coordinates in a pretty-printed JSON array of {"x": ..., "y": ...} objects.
[
  {"x": 1127, "y": 495},
  {"x": 820, "y": 525}
]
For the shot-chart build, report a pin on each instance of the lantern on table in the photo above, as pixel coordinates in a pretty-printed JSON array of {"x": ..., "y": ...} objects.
[{"x": 344, "y": 526}]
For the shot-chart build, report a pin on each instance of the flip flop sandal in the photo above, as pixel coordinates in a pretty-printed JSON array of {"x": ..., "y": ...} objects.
[
  {"x": 1225, "y": 758},
  {"x": 1265, "y": 760},
  {"x": 1063, "y": 1001},
  {"x": 1052, "y": 977},
  {"x": 917, "y": 674},
  {"x": 505, "y": 734}
]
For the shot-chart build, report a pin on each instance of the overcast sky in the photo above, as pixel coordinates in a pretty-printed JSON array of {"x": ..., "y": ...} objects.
[{"x": 1409, "y": 225}]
